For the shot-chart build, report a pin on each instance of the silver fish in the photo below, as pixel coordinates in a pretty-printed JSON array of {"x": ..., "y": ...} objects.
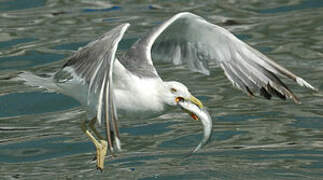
[{"x": 201, "y": 114}]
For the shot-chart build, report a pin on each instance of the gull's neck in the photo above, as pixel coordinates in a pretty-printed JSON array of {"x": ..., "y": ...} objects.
[
  {"x": 141, "y": 95},
  {"x": 133, "y": 93}
]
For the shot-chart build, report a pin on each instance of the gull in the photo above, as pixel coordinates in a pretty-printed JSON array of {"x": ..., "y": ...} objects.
[{"x": 106, "y": 82}]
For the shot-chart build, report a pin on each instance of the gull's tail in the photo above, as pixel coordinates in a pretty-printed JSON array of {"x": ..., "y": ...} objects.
[{"x": 31, "y": 79}]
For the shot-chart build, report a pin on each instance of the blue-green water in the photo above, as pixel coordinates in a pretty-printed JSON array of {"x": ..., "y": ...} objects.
[{"x": 40, "y": 135}]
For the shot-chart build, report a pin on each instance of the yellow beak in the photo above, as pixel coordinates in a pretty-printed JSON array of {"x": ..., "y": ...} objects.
[{"x": 196, "y": 101}]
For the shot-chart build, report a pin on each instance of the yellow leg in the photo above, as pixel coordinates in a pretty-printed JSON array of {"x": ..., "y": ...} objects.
[
  {"x": 92, "y": 126},
  {"x": 97, "y": 134},
  {"x": 101, "y": 147}
]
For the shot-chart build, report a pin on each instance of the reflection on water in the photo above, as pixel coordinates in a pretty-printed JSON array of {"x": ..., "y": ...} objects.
[{"x": 254, "y": 138}]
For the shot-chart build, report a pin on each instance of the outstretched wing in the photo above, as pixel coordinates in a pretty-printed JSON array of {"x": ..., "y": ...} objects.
[
  {"x": 189, "y": 39},
  {"x": 93, "y": 66}
]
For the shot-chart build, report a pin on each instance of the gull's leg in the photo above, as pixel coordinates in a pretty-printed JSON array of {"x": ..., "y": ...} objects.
[
  {"x": 92, "y": 126},
  {"x": 101, "y": 147},
  {"x": 97, "y": 134}
]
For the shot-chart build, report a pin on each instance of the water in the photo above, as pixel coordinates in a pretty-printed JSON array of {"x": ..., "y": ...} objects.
[{"x": 40, "y": 135}]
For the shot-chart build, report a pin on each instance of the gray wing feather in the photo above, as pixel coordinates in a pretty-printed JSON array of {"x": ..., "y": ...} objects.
[
  {"x": 135, "y": 60},
  {"x": 92, "y": 62},
  {"x": 94, "y": 65},
  {"x": 190, "y": 40}
]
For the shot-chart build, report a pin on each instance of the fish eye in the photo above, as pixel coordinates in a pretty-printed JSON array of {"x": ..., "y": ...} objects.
[{"x": 173, "y": 90}]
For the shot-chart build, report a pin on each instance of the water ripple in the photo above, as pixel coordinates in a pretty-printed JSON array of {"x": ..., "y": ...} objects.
[{"x": 253, "y": 138}]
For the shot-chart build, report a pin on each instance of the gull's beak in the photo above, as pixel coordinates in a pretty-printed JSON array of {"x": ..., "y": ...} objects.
[{"x": 196, "y": 101}]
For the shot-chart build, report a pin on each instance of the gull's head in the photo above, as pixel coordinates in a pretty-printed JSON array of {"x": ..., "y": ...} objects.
[{"x": 176, "y": 92}]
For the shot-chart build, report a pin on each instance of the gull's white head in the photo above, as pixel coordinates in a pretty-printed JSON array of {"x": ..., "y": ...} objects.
[
  {"x": 176, "y": 91},
  {"x": 177, "y": 94}
]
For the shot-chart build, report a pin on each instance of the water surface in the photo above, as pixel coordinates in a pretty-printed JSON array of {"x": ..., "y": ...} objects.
[{"x": 40, "y": 135}]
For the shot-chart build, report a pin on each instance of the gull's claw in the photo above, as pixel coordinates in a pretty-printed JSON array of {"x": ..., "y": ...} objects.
[
  {"x": 97, "y": 168},
  {"x": 100, "y": 145},
  {"x": 101, "y": 151}
]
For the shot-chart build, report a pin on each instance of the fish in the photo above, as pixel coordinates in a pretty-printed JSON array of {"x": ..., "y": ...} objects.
[{"x": 199, "y": 114}]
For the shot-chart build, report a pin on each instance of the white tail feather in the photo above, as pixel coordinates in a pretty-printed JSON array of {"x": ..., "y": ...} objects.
[{"x": 31, "y": 79}]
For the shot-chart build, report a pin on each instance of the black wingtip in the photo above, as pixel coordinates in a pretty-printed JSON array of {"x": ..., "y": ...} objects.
[
  {"x": 273, "y": 91},
  {"x": 270, "y": 91},
  {"x": 263, "y": 92},
  {"x": 249, "y": 92}
]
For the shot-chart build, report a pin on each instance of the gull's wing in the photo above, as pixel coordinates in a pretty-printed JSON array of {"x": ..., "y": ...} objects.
[
  {"x": 189, "y": 39},
  {"x": 93, "y": 66}
]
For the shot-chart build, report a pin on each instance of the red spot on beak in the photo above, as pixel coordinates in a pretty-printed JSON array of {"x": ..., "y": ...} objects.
[{"x": 194, "y": 116}]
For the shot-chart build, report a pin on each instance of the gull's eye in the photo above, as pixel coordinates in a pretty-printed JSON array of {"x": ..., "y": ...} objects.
[
  {"x": 179, "y": 99},
  {"x": 173, "y": 90}
]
